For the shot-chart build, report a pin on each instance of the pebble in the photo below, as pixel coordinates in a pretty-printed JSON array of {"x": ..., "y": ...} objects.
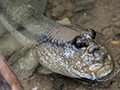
[
  {"x": 35, "y": 88},
  {"x": 115, "y": 42},
  {"x": 65, "y": 21},
  {"x": 107, "y": 32},
  {"x": 114, "y": 19}
]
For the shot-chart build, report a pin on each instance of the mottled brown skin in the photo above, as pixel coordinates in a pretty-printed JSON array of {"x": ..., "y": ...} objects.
[
  {"x": 89, "y": 61},
  {"x": 57, "y": 48}
]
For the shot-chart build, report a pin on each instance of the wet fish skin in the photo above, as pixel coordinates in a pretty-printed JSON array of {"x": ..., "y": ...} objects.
[
  {"x": 58, "y": 48},
  {"x": 90, "y": 62}
]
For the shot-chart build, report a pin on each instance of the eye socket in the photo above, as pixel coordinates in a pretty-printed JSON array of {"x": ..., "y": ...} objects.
[{"x": 78, "y": 42}]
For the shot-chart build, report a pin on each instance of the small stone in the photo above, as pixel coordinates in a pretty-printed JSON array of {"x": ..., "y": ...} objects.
[
  {"x": 115, "y": 42},
  {"x": 35, "y": 88},
  {"x": 114, "y": 19},
  {"x": 51, "y": 79},
  {"x": 107, "y": 32},
  {"x": 69, "y": 6},
  {"x": 65, "y": 21}
]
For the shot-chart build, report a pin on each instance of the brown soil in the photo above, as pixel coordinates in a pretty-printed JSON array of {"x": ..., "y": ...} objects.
[{"x": 101, "y": 15}]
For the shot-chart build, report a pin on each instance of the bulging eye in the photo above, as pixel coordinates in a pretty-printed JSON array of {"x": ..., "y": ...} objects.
[{"x": 78, "y": 42}]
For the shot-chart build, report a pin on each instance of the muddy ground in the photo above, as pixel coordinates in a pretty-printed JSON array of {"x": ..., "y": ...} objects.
[{"x": 101, "y": 15}]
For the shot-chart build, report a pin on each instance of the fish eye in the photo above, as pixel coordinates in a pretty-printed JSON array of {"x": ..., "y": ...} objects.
[{"x": 78, "y": 42}]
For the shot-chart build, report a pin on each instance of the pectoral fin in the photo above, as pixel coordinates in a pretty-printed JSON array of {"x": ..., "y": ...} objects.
[{"x": 24, "y": 62}]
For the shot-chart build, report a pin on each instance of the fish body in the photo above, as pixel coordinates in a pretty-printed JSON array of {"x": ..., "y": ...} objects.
[{"x": 70, "y": 52}]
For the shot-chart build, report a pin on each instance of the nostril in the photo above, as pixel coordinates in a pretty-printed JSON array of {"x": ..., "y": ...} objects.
[{"x": 92, "y": 48}]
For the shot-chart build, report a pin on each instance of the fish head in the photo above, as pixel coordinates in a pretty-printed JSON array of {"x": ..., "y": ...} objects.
[{"x": 87, "y": 58}]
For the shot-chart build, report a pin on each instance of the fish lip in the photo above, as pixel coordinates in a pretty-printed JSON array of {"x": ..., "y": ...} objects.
[
  {"x": 100, "y": 70},
  {"x": 106, "y": 68},
  {"x": 94, "y": 70},
  {"x": 107, "y": 63}
]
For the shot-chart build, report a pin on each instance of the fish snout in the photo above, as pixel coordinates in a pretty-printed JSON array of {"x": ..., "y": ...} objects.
[{"x": 99, "y": 70}]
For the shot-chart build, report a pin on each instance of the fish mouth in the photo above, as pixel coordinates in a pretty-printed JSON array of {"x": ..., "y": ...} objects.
[{"x": 101, "y": 70}]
